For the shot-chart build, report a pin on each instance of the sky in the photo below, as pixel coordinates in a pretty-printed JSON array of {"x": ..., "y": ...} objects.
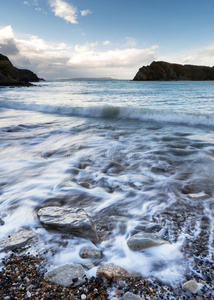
[{"x": 59, "y": 39}]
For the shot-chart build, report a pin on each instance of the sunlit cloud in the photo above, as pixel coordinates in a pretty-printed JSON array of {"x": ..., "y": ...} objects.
[
  {"x": 60, "y": 60},
  {"x": 85, "y": 12},
  {"x": 64, "y": 10},
  {"x": 106, "y": 43}
]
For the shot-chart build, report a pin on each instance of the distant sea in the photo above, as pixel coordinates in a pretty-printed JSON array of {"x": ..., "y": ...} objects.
[{"x": 144, "y": 149}]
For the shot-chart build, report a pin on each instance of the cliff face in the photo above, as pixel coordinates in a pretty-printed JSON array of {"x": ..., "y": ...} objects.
[
  {"x": 10, "y": 75},
  {"x": 165, "y": 71}
]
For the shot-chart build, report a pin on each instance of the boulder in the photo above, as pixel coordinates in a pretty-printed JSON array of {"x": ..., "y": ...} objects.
[
  {"x": 12, "y": 76},
  {"x": 164, "y": 71},
  {"x": 67, "y": 274},
  {"x": 72, "y": 220},
  {"x": 16, "y": 239},
  {"x": 113, "y": 272},
  {"x": 92, "y": 253},
  {"x": 191, "y": 286},
  {"x": 144, "y": 240}
]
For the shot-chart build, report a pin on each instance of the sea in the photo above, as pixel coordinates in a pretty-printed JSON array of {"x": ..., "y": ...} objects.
[{"x": 137, "y": 151}]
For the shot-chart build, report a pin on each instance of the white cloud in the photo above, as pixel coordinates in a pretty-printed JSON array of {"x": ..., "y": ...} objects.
[
  {"x": 131, "y": 42},
  {"x": 64, "y": 10},
  {"x": 85, "y": 12},
  {"x": 106, "y": 43},
  {"x": 52, "y": 60}
]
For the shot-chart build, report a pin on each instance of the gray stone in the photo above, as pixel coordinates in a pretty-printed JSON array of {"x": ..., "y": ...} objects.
[
  {"x": 72, "y": 220},
  {"x": 89, "y": 266},
  {"x": 90, "y": 253},
  {"x": 191, "y": 286},
  {"x": 143, "y": 240},
  {"x": 16, "y": 239},
  {"x": 1, "y": 222},
  {"x": 199, "y": 196},
  {"x": 113, "y": 272},
  {"x": 131, "y": 296},
  {"x": 67, "y": 274}
]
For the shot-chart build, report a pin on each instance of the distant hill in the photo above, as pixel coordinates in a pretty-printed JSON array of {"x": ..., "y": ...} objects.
[
  {"x": 161, "y": 71},
  {"x": 12, "y": 76}
]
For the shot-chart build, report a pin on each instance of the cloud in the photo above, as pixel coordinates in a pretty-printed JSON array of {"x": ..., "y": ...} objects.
[
  {"x": 106, "y": 43},
  {"x": 64, "y": 10},
  {"x": 7, "y": 42},
  {"x": 85, "y": 12},
  {"x": 60, "y": 60},
  {"x": 131, "y": 42}
]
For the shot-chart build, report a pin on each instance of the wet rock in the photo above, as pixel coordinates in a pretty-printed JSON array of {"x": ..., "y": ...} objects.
[
  {"x": 199, "y": 196},
  {"x": 1, "y": 222},
  {"x": 88, "y": 266},
  {"x": 67, "y": 274},
  {"x": 112, "y": 272},
  {"x": 121, "y": 222},
  {"x": 143, "y": 240},
  {"x": 72, "y": 220},
  {"x": 191, "y": 286},
  {"x": 90, "y": 253},
  {"x": 131, "y": 296},
  {"x": 85, "y": 185},
  {"x": 16, "y": 239}
]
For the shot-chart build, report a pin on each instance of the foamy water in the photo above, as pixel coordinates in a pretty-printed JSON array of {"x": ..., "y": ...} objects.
[{"x": 143, "y": 148}]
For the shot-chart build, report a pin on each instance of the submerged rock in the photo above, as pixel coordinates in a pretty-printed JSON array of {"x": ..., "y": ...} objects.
[
  {"x": 90, "y": 253},
  {"x": 16, "y": 239},
  {"x": 1, "y": 222},
  {"x": 144, "y": 240},
  {"x": 72, "y": 220},
  {"x": 112, "y": 272},
  {"x": 131, "y": 296},
  {"x": 67, "y": 274},
  {"x": 160, "y": 70}
]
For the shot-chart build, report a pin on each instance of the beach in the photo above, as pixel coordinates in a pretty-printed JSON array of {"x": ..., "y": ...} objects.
[{"x": 137, "y": 158}]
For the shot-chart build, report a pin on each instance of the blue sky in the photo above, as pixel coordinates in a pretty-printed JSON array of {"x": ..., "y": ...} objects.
[{"x": 84, "y": 38}]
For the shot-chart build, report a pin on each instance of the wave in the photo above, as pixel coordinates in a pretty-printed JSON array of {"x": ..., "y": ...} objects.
[{"x": 123, "y": 112}]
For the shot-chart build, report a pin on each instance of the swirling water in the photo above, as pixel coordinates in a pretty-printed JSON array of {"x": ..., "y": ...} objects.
[{"x": 144, "y": 148}]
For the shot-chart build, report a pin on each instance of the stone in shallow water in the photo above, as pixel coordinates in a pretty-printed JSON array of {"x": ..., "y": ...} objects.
[
  {"x": 72, "y": 220},
  {"x": 90, "y": 253},
  {"x": 1, "y": 222},
  {"x": 67, "y": 274},
  {"x": 191, "y": 286},
  {"x": 131, "y": 296},
  {"x": 16, "y": 239},
  {"x": 143, "y": 240},
  {"x": 199, "y": 196},
  {"x": 113, "y": 272}
]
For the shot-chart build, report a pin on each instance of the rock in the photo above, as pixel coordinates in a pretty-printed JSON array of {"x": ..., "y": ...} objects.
[
  {"x": 160, "y": 70},
  {"x": 90, "y": 253},
  {"x": 85, "y": 185},
  {"x": 114, "y": 298},
  {"x": 191, "y": 286},
  {"x": 1, "y": 222},
  {"x": 11, "y": 76},
  {"x": 16, "y": 239},
  {"x": 112, "y": 272},
  {"x": 131, "y": 296},
  {"x": 143, "y": 240},
  {"x": 67, "y": 274},
  {"x": 72, "y": 220},
  {"x": 199, "y": 196},
  {"x": 121, "y": 223},
  {"x": 89, "y": 266}
]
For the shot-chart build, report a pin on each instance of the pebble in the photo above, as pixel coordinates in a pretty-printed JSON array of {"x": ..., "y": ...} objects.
[
  {"x": 191, "y": 286},
  {"x": 83, "y": 297}
]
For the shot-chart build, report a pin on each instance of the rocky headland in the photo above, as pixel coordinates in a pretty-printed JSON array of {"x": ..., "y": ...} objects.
[
  {"x": 164, "y": 71},
  {"x": 12, "y": 76}
]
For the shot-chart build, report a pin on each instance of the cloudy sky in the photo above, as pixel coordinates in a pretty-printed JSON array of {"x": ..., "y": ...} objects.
[{"x": 95, "y": 38}]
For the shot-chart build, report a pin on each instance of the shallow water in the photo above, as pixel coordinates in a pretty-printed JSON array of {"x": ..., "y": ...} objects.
[{"x": 143, "y": 148}]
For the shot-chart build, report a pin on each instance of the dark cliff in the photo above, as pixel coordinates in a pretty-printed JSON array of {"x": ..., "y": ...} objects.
[
  {"x": 165, "y": 71},
  {"x": 12, "y": 76}
]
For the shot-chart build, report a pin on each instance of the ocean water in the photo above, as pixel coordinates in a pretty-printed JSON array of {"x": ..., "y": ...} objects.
[{"x": 145, "y": 149}]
